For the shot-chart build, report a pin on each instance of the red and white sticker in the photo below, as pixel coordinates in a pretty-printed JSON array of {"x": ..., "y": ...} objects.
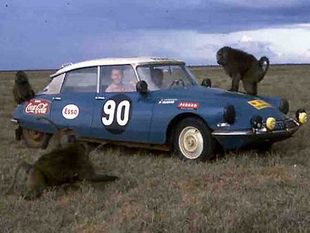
[
  {"x": 70, "y": 111},
  {"x": 37, "y": 107},
  {"x": 188, "y": 105}
]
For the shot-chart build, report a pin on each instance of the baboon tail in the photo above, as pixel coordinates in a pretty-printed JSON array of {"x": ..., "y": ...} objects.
[
  {"x": 264, "y": 63},
  {"x": 102, "y": 178},
  {"x": 26, "y": 166}
]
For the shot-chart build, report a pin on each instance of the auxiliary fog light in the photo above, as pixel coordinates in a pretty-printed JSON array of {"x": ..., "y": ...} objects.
[
  {"x": 270, "y": 123},
  {"x": 301, "y": 116},
  {"x": 257, "y": 122}
]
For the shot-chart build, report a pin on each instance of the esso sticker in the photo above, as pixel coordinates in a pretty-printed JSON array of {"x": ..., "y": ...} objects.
[
  {"x": 70, "y": 111},
  {"x": 37, "y": 107}
]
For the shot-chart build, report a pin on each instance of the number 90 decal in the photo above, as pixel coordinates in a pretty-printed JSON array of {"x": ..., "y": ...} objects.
[{"x": 116, "y": 113}]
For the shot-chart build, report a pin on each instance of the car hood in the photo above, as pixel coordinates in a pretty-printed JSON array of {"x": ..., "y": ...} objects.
[
  {"x": 216, "y": 97},
  {"x": 199, "y": 93}
]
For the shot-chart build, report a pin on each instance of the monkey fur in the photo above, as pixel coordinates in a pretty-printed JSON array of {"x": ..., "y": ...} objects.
[
  {"x": 61, "y": 138},
  {"x": 240, "y": 65},
  {"x": 60, "y": 166},
  {"x": 22, "y": 90}
]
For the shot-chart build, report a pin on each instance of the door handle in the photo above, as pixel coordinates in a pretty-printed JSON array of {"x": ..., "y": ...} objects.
[
  {"x": 57, "y": 98},
  {"x": 100, "y": 98}
]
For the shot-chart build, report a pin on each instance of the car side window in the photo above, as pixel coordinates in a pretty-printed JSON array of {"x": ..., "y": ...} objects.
[
  {"x": 81, "y": 80},
  {"x": 154, "y": 76},
  {"x": 54, "y": 86},
  {"x": 159, "y": 77},
  {"x": 119, "y": 78}
]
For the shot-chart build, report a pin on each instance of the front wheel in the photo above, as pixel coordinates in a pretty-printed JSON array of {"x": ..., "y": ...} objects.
[
  {"x": 193, "y": 140},
  {"x": 35, "y": 139}
]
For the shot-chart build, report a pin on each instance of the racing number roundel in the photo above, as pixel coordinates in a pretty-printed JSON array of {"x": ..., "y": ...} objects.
[{"x": 116, "y": 113}]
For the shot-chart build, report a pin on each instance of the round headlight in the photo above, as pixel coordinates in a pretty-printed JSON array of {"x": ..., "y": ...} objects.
[
  {"x": 301, "y": 116},
  {"x": 270, "y": 123},
  {"x": 284, "y": 106},
  {"x": 229, "y": 114},
  {"x": 257, "y": 122}
]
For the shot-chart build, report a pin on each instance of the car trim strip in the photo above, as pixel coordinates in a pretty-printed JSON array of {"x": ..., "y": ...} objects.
[
  {"x": 98, "y": 79},
  {"x": 253, "y": 132}
]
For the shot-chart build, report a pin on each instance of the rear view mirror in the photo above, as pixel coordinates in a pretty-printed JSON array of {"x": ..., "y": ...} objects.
[
  {"x": 141, "y": 87},
  {"x": 206, "y": 82}
]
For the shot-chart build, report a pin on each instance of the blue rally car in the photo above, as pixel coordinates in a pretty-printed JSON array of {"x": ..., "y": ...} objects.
[{"x": 154, "y": 103}]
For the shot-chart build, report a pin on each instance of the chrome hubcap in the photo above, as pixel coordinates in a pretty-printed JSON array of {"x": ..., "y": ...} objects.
[{"x": 191, "y": 142}]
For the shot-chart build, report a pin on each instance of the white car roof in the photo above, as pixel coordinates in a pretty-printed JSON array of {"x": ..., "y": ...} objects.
[{"x": 116, "y": 61}]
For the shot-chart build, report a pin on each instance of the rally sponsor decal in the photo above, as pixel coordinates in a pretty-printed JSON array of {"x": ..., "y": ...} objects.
[
  {"x": 70, "y": 111},
  {"x": 259, "y": 104},
  {"x": 116, "y": 113},
  {"x": 188, "y": 105},
  {"x": 37, "y": 107},
  {"x": 167, "y": 101}
]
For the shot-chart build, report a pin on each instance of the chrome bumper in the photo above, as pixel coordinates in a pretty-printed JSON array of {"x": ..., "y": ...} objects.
[
  {"x": 287, "y": 130},
  {"x": 14, "y": 121}
]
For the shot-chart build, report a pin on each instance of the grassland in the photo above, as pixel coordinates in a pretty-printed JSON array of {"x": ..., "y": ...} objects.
[{"x": 244, "y": 192}]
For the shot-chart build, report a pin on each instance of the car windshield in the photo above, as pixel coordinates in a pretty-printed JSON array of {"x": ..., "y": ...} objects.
[{"x": 159, "y": 77}]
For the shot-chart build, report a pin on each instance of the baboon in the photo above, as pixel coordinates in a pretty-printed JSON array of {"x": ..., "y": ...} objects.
[
  {"x": 22, "y": 91},
  {"x": 240, "y": 65},
  {"x": 61, "y": 166},
  {"x": 61, "y": 138}
]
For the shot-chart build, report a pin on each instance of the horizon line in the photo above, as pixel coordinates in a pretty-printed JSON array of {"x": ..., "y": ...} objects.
[{"x": 198, "y": 65}]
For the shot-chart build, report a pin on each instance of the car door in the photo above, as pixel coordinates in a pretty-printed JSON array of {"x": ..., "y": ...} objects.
[
  {"x": 73, "y": 106},
  {"x": 121, "y": 115}
]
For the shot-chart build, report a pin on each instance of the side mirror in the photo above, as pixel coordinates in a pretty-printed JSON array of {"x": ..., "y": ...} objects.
[
  {"x": 141, "y": 87},
  {"x": 206, "y": 82}
]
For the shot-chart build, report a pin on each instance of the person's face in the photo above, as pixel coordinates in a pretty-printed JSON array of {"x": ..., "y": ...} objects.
[
  {"x": 116, "y": 76},
  {"x": 158, "y": 79}
]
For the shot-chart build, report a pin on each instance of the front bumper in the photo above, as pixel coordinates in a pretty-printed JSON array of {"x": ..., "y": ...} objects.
[
  {"x": 18, "y": 130},
  {"x": 14, "y": 121},
  {"x": 235, "y": 139}
]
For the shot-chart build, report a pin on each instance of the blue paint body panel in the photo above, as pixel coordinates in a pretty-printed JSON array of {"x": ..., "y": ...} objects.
[{"x": 150, "y": 115}]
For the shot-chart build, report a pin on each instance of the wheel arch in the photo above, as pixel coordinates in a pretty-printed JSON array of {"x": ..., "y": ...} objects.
[{"x": 171, "y": 126}]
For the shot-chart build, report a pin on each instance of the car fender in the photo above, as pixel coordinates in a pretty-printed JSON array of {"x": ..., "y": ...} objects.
[{"x": 166, "y": 116}]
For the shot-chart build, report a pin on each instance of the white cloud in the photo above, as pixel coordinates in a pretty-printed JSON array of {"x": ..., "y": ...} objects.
[
  {"x": 289, "y": 44},
  {"x": 246, "y": 38}
]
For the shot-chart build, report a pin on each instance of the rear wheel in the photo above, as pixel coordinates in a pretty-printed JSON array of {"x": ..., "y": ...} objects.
[
  {"x": 35, "y": 139},
  {"x": 193, "y": 140}
]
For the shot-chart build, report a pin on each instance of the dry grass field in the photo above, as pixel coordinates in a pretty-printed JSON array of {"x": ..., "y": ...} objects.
[{"x": 244, "y": 192}]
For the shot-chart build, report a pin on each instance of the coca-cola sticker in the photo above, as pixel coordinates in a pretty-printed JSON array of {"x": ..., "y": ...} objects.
[
  {"x": 70, "y": 111},
  {"x": 37, "y": 107}
]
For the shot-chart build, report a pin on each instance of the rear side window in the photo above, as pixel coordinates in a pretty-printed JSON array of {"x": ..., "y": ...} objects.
[
  {"x": 81, "y": 80},
  {"x": 54, "y": 86}
]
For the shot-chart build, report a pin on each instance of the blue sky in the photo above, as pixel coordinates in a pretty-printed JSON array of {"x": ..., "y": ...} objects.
[{"x": 38, "y": 34}]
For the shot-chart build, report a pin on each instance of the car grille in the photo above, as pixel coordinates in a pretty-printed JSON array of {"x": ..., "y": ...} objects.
[
  {"x": 290, "y": 123},
  {"x": 287, "y": 124}
]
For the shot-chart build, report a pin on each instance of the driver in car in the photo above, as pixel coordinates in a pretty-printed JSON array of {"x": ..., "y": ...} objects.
[{"x": 117, "y": 82}]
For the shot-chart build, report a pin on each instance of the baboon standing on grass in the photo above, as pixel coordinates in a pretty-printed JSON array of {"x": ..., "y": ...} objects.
[
  {"x": 240, "y": 65},
  {"x": 22, "y": 91}
]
